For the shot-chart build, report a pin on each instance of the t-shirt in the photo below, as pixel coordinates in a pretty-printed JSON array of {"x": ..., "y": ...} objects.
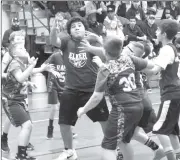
[
  {"x": 117, "y": 78},
  {"x": 54, "y": 82},
  {"x": 6, "y": 60},
  {"x": 12, "y": 89},
  {"x": 81, "y": 72},
  {"x": 170, "y": 74}
]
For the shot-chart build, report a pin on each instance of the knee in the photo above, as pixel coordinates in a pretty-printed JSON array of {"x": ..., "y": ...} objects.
[{"x": 27, "y": 125}]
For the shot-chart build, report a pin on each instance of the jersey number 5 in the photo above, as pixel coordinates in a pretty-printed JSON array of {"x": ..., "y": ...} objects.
[{"x": 128, "y": 82}]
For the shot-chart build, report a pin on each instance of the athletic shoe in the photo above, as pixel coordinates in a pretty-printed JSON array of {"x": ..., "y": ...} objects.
[
  {"x": 69, "y": 154},
  {"x": 119, "y": 154},
  {"x": 50, "y": 132},
  {"x": 159, "y": 153},
  {"x": 178, "y": 156},
  {"x": 75, "y": 135},
  {"x": 30, "y": 147},
  {"x": 24, "y": 157},
  {"x": 4, "y": 145}
]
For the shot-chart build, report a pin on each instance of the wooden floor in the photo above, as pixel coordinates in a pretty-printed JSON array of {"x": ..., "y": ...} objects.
[{"x": 87, "y": 143}]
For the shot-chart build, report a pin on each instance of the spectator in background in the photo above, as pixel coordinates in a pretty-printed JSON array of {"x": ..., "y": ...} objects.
[
  {"x": 76, "y": 8},
  {"x": 133, "y": 32},
  {"x": 136, "y": 11},
  {"x": 99, "y": 7},
  {"x": 177, "y": 45},
  {"x": 112, "y": 23},
  {"x": 120, "y": 8},
  {"x": 149, "y": 28},
  {"x": 94, "y": 26},
  {"x": 172, "y": 10},
  {"x": 58, "y": 6},
  {"x": 14, "y": 27}
]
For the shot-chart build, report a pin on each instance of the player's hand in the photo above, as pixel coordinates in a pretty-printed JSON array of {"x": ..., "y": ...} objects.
[
  {"x": 99, "y": 11},
  {"x": 32, "y": 85},
  {"x": 92, "y": 37},
  {"x": 98, "y": 61},
  {"x": 47, "y": 67},
  {"x": 80, "y": 112},
  {"x": 33, "y": 61},
  {"x": 84, "y": 46}
]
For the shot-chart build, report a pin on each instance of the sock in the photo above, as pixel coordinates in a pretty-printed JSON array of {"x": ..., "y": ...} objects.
[
  {"x": 51, "y": 122},
  {"x": 22, "y": 150},
  {"x": 151, "y": 144},
  {"x": 4, "y": 135},
  {"x": 177, "y": 152},
  {"x": 170, "y": 155}
]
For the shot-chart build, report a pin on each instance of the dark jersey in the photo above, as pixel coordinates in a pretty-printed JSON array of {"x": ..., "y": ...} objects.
[
  {"x": 118, "y": 79},
  {"x": 139, "y": 80},
  {"x": 54, "y": 82},
  {"x": 81, "y": 72},
  {"x": 12, "y": 89},
  {"x": 170, "y": 79}
]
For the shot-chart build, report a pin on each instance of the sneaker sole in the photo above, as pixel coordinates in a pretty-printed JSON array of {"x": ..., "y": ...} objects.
[
  {"x": 5, "y": 151},
  {"x": 49, "y": 138}
]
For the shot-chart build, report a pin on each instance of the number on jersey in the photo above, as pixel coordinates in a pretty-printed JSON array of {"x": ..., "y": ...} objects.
[{"x": 129, "y": 83}]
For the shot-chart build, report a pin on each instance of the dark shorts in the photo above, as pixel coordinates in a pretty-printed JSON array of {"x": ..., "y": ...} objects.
[
  {"x": 72, "y": 100},
  {"x": 122, "y": 121},
  {"x": 54, "y": 96},
  {"x": 16, "y": 112},
  {"x": 168, "y": 118},
  {"x": 146, "y": 102}
]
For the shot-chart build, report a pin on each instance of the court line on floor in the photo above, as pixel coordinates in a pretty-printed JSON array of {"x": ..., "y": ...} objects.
[{"x": 44, "y": 120}]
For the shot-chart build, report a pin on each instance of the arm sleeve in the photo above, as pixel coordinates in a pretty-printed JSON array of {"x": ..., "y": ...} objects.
[
  {"x": 14, "y": 66},
  {"x": 101, "y": 81},
  {"x": 139, "y": 63},
  {"x": 166, "y": 56}
]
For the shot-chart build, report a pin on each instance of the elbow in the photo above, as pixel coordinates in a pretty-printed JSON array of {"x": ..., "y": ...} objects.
[{"x": 98, "y": 97}]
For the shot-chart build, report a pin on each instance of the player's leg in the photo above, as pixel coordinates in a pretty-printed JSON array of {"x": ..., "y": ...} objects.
[
  {"x": 20, "y": 117},
  {"x": 167, "y": 119},
  {"x": 68, "y": 118},
  {"x": 52, "y": 103}
]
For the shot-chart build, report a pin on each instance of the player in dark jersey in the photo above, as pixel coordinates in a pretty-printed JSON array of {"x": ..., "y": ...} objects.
[
  {"x": 81, "y": 75},
  {"x": 167, "y": 63},
  {"x": 7, "y": 124},
  {"x": 55, "y": 85},
  {"x": 117, "y": 78},
  {"x": 148, "y": 118},
  {"x": 15, "y": 90}
]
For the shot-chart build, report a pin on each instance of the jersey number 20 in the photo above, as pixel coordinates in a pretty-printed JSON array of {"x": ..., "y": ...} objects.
[{"x": 128, "y": 82}]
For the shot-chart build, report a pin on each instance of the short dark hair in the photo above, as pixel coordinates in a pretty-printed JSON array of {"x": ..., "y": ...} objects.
[
  {"x": 76, "y": 19},
  {"x": 150, "y": 11},
  {"x": 113, "y": 46},
  {"x": 170, "y": 27}
]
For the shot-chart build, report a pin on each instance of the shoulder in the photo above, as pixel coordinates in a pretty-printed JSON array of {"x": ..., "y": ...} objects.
[{"x": 167, "y": 50}]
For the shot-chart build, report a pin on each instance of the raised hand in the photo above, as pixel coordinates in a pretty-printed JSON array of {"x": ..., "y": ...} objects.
[
  {"x": 33, "y": 61},
  {"x": 98, "y": 61},
  {"x": 48, "y": 67},
  {"x": 84, "y": 46}
]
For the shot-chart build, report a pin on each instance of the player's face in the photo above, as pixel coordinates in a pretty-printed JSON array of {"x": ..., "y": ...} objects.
[
  {"x": 20, "y": 40},
  {"x": 77, "y": 30},
  {"x": 111, "y": 15},
  {"x": 159, "y": 35},
  {"x": 151, "y": 19}
]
